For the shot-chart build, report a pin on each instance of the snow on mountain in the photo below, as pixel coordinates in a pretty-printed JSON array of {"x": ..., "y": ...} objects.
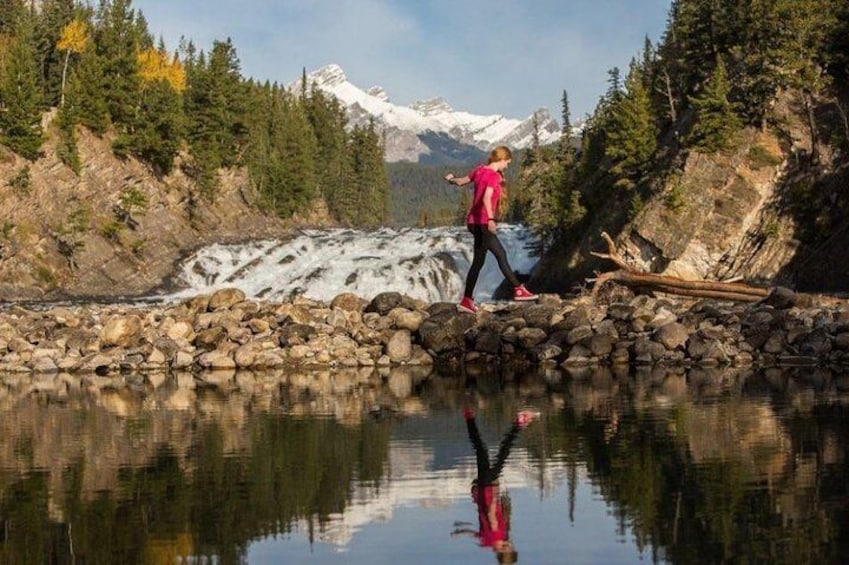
[{"x": 408, "y": 128}]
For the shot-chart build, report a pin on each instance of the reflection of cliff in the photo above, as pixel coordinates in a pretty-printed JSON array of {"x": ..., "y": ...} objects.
[
  {"x": 705, "y": 473},
  {"x": 704, "y": 467},
  {"x": 164, "y": 464}
]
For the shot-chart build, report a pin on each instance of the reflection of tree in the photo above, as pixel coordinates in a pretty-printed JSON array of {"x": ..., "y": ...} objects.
[
  {"x": 702, "y": 468},
  {"x": 694, "y": 509},
  {"x": 297, "y": 470}
]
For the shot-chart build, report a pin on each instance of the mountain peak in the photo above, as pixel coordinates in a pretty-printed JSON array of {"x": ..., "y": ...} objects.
[
  {"x": 431, "y": 106},
  {"x": 328, "y": 75}
]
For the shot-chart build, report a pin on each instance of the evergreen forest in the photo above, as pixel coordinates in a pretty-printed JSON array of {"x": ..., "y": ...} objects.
[
  {"x": 99, "y": 67},
  {"x": 719, "y": 69}
]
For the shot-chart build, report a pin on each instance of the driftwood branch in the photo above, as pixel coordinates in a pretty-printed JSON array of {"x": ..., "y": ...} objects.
[{"x": 630, "y": 276}]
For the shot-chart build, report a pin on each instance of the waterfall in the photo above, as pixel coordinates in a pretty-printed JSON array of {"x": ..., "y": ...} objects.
[{"x": 425, "y": 263}]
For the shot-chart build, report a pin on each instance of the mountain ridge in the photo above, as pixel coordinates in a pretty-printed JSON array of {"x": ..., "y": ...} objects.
[{"x": 408, "y": 129}]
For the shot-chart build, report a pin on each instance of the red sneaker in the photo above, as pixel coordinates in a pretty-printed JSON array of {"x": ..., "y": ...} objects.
[
  {"x": 522, "y": 293},
  {"x": 467, "y": 305},
  {"x": 525, "y": 417}
]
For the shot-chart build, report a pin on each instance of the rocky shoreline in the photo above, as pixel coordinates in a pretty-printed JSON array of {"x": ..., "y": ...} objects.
[{"x": 225, "y": 331}]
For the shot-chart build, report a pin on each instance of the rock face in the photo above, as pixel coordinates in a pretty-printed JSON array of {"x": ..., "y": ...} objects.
[
  {"x": 725, "y": 215},
  {"x": 67, "y": 235},
  {"x": 225, "y": 332}
]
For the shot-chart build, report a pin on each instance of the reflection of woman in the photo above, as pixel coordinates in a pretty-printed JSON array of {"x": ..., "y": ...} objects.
[{"x": 493, "y": 506}]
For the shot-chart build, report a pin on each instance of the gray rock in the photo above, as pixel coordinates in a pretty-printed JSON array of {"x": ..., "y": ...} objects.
[
  {"x": 445, "y": 331},
  {"x": 601, "y": 345},
  {"x": 579, "y": 334},
  {"x": 531, "y": 337},
  {"x": 488, "y": 341},
  {"x": 296, "y": 334},
  {"x": 672, "y": 335},
  {"x": 384, "y": 302}
]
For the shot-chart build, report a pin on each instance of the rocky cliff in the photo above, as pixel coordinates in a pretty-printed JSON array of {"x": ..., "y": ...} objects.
[
  {"x": 724, "y": 216},
  {"x": 114, "y": 228}
]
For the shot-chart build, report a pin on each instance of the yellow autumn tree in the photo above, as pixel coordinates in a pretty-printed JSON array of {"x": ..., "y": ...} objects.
[
  {"x": 74, "y": 39},
  {"x": 155, "y": 65}
]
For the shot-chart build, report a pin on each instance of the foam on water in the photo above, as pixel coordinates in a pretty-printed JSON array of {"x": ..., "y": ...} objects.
[{"x": 429, "y": 264}]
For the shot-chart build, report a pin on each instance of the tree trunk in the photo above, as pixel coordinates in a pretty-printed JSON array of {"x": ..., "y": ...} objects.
[
  {"x": 631, "y": 277},
  {"x": 845, "y": 118},
  {"x": 812, "y": 126},
  {"x": 64, "y": 75}
]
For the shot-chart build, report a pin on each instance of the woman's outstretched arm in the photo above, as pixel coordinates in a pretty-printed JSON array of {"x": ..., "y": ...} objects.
[{"x": 459, "y": 181}]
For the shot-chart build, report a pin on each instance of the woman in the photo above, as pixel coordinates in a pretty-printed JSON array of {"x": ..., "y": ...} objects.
[{"x": 489, "y": 193}]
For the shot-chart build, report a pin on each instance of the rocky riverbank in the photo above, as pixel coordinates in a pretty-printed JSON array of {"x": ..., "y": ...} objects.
[{"x": 226, "y": 331}]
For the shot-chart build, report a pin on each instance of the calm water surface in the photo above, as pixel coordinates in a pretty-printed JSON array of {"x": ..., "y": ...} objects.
[{"x": 361, "y": 468}]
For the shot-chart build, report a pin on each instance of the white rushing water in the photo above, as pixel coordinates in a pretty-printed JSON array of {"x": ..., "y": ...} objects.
[{"x": 429, "y": 264}]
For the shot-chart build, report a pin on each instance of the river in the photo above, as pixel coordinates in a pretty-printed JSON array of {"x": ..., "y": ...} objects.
[{"x": 356, "y": 467}]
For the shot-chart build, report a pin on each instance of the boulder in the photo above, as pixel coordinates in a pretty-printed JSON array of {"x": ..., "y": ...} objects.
[
  {"x": 445, "y": 332},
  {"x": 226, "y": 298},
  {"x": 348, "y": 302},
  {"x": 399, "y": 348},
  {"x": 121, "y": 331},
  {"x": 384, "y": 302}
]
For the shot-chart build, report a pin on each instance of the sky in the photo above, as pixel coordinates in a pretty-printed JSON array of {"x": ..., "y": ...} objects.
[{"x": 505, "y": 57}]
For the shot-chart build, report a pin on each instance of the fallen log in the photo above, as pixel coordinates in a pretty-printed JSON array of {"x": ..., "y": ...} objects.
[{"x": 632, "y": 277}]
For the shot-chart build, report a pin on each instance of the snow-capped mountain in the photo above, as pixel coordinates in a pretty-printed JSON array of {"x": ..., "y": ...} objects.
[{"x": 430, "y": 130}]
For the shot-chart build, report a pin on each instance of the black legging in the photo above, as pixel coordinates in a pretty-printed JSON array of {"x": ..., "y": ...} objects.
[
  {"x": 485, "y": 241},
  {"x": 488, "y": 474}
]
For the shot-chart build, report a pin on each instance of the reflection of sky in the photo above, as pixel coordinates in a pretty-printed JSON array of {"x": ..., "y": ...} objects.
[
  {"x": 540, "y": 530},
  {"x": 412, "y": 514}
]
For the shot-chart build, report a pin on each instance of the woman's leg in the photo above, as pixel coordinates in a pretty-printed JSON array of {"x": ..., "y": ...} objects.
[
  {"x": 481, "y": 453},
  {"x": 477, "y": 260},
  {"x": 492, "y": 243},
  {"x": 504, "y": 449}
]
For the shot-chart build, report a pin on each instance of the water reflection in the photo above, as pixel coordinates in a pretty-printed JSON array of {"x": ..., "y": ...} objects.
[
  {"x": 690, "y": 467},
  {"x": 493, "y": 504}
]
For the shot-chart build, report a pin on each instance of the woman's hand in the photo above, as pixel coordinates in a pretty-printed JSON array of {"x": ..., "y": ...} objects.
[
  {"x": 490, "y": 225},
  {"x": 449, "y": 177}
]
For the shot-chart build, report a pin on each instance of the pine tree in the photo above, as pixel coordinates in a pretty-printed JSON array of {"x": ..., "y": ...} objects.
[
  {"x": 11, "y": 13},
  {"x": 118, "y": 36},
  {"x": 52, "y": 21},
  {"x": 716, "y": 121},
  {"x": 570, "y": 210},
  {"x": 20, "y": 95},
  {"x": 369, "y": 192},
  {"x": 328, "y": 121},
  {"x": 216, "y": 107},
  {"x": 296, "y": 147},
  {"x": 632, "y": 135},
  {"x": 85, "y": 102},
  {"x": 156, "y": 134},
  {"x": 813, "y": 23}
]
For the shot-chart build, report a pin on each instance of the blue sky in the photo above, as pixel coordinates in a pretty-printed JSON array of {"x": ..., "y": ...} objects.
[{"x": 483, "y": 56}]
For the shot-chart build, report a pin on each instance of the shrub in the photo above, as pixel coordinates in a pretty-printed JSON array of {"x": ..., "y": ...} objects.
[
  {"x": 112, "y": 230},
  {"x": 760, "y": 157},
  {"x": 21, "y": 183}
]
